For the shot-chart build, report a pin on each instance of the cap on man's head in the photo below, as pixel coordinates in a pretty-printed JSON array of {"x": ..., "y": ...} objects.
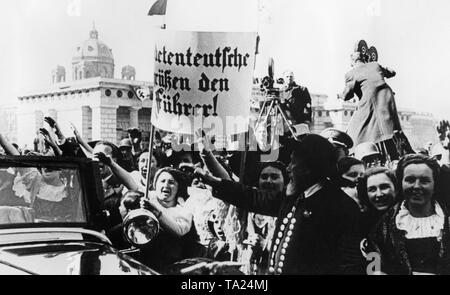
[
  {"x": 366, "y": 149},
  {"x": 337, "y": 137},
  {"x": 125, "y": 143}
]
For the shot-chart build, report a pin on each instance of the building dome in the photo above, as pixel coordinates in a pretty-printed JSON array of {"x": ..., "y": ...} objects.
[
  {"x": 93, "y": 48},
  {"x": 93, "y": 58}
]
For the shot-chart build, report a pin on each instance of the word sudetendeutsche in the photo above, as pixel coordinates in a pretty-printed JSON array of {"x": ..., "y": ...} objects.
[{"x": 222, "y": 58}]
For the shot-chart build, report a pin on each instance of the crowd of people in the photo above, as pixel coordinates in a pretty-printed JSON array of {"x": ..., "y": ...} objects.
[
  {"x": 321, "y": 211},
  {"x": 354, "y": 202}
]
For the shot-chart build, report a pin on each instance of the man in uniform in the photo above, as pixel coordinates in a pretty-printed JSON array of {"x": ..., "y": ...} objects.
[{"x": 297, "y": 100}]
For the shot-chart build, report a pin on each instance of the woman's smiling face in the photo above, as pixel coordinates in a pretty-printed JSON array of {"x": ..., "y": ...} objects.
[
  {"x": 418, "y": 184},
  {"x": 167, "y": 189},
  {"x": 380, "y": 191}
]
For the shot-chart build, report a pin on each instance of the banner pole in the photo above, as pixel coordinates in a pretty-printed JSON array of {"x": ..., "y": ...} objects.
[
  {"x": 149, "y": 160},
  {"x": 241, "y": 213},
  {"x": 247, "y": 133}
]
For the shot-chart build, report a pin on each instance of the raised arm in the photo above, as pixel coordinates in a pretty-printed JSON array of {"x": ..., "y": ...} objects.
[
  {"x": 88, "y": 150},
  {"x": 210, "y": 160},
  {"x": 124, "y": 177},
  {"x": 49, "y": 138},
  {"x": 8, "y": 147},
  {"x": 244, "y": 197},
  {"x": 55, "y": 126}
]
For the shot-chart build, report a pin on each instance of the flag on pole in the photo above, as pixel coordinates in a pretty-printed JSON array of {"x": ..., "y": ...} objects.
[
  {"x": 158, "y": 8},
  {"x": 142, "y": 92}
]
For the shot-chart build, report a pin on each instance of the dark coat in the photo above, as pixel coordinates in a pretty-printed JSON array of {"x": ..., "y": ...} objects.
[
  {"x": 326, "y": 242},
  {"x": 376, "y": 115},
  {"x": 298, "y": 103},
  {"x": 390, "y": 243}
]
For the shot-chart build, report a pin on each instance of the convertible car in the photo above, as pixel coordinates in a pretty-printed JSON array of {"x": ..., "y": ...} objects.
[{"x": 52, "y": 220}]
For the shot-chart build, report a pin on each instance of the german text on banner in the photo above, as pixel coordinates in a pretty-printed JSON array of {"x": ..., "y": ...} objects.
[{"x": 203, "y": 80}]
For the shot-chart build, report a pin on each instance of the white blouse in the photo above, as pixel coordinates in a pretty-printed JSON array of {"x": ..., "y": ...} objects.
[
  {"x": 204, "y": 208},
  {"x": 177, "y": 219},
  {"x": 420, "y": 227}
]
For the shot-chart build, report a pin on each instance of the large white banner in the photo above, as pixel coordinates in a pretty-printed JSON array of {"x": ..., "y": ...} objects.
[{"x": 203, "y": 80}]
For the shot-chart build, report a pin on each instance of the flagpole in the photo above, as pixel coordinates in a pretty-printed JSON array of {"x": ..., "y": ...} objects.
[
  {"x": 241, "y": 213},
  {"x": 162, "y": 7},
  {"x": 149, "y": 160}
]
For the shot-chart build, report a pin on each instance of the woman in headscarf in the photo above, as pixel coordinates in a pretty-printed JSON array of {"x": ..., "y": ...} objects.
[
  {"x": 413, "y": 237},
  {"x": 176, "y": 241},
  {"x": 377, "y": 191},
  {"x": 272, "y": 177}
]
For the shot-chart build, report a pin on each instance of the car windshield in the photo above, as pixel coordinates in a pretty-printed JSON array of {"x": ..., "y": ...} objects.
[{"x": 42, "y": 194}]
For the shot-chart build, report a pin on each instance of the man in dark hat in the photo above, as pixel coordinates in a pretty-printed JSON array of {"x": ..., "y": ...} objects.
[
  {"x": 316, "y": 230},
  {"x": 341, "y": 141}
]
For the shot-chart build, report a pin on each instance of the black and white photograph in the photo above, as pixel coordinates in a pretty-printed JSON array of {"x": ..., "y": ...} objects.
[{"x": 209, "y": 139}]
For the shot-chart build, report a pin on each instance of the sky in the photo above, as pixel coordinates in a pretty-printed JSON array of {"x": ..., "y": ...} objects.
[{"x": 314, "y": 38}]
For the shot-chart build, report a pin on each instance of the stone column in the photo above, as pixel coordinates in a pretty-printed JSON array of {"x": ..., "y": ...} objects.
[
  {"x": 39, "y": 119},
  {"x": 134, "y": 118},
  {"x": 86, "y": 123},
  {"x": 104, "y": 121}
]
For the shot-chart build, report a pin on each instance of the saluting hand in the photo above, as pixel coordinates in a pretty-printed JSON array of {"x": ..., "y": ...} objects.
[
  {"x": 50, "y": 121},
  {"x": 46, "y": 135},
  {"x": 204, "y": 142},
  {"x": 443, "y": 129},
  {"x": 74, "y": 130},
  {"x": 102, "y": 158},
  {"x": 207, "y": 177}
]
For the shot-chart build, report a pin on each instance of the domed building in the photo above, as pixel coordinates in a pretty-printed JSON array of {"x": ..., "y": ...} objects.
[
  {"x": 104, "y": 107},
  {"x": 92, "y": 59},
  {"x": 99, "y": 105}
]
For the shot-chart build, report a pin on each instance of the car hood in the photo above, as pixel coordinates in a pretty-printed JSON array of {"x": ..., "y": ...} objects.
[{"x": 69, "y": 258}]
